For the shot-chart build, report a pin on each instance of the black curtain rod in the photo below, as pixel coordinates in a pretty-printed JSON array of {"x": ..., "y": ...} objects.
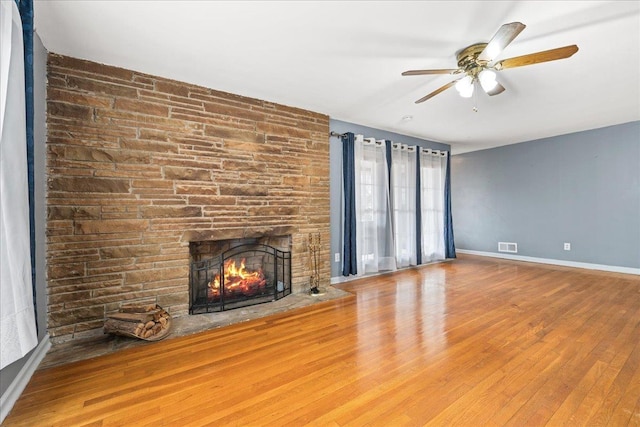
[{"x": 340, "y": 135}]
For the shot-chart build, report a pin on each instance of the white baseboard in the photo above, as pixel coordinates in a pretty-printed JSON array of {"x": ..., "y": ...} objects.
[
  {"x": 17, "y": 386},
  {"x": 585, "y": 265},
  {"x": 339, "y": 279},
  {"x": 343, "y": 279}
]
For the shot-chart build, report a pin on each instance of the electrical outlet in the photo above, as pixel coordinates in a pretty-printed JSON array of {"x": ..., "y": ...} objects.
[
  {"x": 336, "y": 257},
  {"x": 567, "y": 246}
]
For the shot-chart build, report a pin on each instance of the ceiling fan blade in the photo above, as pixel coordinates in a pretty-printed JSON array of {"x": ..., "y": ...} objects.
[
  {"x": 500, "y": 40},
  {"x": 437, "y": 91},
  {"x": 496, "y": 90},
  {"x": 535, "y": 58},
  {"x": 422, "y": 72}
]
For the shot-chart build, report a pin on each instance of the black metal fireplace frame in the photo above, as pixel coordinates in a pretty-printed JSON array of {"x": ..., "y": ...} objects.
[{"x": 203, "y": 272}]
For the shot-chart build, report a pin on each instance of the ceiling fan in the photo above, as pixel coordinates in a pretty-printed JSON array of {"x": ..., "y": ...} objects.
[{"x": 476, "y": 63}]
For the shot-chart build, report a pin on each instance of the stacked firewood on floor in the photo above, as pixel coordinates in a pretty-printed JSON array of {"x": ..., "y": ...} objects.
[{"x": 148, "y": 322}]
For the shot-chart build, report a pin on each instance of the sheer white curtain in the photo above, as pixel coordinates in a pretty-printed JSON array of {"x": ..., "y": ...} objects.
[
  {"x": 17, "y": 317},
  {"x": 403, "y": 200},
  {"x": 433, "y": 169},
  {"x": 375, "y": 249}
]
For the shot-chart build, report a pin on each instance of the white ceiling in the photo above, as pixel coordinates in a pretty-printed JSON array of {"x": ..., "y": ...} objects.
[{"x": 344, "y": 58}]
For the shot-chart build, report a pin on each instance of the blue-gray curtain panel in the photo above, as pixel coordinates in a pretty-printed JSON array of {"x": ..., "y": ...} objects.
[
  {"x": 449, "y": 245},
  {"x": 387, "y": 147},
  {"x": 418, "y": 212},
  {"x": 349, "y": 255},
  {"x": 26, "y": 14}
]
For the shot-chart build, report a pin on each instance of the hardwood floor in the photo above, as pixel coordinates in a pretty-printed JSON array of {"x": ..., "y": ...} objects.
[{"x": 472, "y": 342}]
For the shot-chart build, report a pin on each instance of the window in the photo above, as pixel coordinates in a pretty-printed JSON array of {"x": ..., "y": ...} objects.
[
  {"x": 433, "y": 164},
  {"x": 403, "y": 198},
  {"x": 375, "y": 249}
]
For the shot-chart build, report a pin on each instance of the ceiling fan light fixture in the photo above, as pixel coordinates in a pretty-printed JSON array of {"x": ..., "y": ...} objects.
[
  {"x": 487, "y": 80},
  {"x": 467, "y": 93},
  {"x": 465, "y": 87}
]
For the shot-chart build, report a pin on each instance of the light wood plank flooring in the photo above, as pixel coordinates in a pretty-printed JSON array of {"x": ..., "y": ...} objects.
[{"x": 472, "y": 342}]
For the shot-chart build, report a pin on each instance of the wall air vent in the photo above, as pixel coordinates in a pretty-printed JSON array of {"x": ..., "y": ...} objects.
[{"x": 508, "y": 247}]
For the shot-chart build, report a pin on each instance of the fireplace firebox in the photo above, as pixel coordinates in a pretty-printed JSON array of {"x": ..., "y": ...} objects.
[{"x": 241, "y": 275}]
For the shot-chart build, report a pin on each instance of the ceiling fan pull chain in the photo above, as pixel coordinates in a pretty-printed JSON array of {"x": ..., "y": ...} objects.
[{"x": 475, "y": 98}]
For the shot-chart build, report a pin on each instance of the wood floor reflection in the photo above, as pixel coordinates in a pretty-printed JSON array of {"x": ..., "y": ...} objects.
[{"x": 472, "y": 342}]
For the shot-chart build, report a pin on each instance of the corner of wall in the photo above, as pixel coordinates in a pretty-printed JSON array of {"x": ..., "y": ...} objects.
[{"x": 17, "y": 386}]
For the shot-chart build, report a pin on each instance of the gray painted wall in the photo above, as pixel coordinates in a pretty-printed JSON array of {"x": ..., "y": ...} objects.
[
  {"x": 581, "y": 188},
  {"x": 40, "y": 179},
  {"x": 9, "y": 373},
  {"x": 335, "y": 170}
]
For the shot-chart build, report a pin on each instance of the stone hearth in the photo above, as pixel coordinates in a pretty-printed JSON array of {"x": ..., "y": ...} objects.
[{"x": 89, "y": 347}]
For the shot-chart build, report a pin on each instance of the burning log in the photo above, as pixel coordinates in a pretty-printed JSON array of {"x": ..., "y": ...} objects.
[
  {"x": 147, "y": 322},
  {"x": 237, "y": 281}
]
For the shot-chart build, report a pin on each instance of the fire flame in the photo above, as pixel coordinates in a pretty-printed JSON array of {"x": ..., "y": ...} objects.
[{"x": 238, "y": 280}]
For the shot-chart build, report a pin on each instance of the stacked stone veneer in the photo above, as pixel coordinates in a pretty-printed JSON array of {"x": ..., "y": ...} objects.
[{"x": 139, "y": 166}]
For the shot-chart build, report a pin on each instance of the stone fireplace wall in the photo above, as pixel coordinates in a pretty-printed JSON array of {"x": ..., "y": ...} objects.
[{"x": 139, "y": 166}]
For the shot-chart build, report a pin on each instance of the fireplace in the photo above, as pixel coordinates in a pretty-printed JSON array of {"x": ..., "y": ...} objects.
[
  {"x": 140, "y": 166},
  {"x": 237, "y": 273}
]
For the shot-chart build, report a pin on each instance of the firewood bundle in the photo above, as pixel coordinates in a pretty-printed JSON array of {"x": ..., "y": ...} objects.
[{"x": 147, "y": 322}]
